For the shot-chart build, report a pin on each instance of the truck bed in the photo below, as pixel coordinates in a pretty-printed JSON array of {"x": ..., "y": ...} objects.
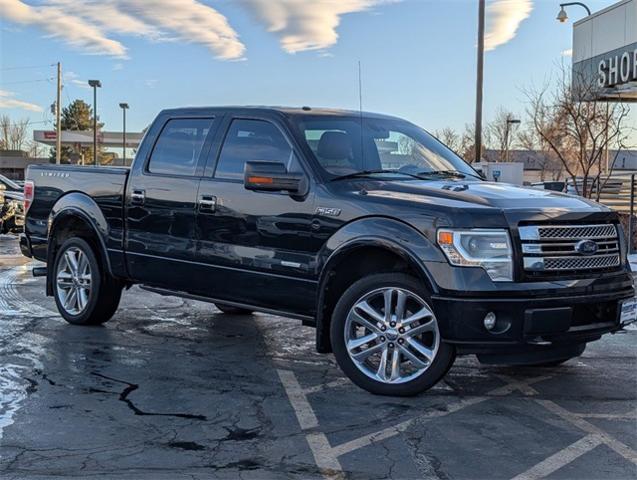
[{"x": 104, "y": 185}]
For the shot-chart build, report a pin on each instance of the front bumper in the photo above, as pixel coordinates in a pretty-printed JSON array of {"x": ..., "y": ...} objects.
[{"x": 528, "y": 323}]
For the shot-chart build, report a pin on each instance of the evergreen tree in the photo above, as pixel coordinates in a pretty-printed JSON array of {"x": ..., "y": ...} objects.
[{"x": 77, "y": 116}]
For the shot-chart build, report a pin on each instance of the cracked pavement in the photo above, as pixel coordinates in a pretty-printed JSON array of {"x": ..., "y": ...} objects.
[{"x": 172, "y": 388}]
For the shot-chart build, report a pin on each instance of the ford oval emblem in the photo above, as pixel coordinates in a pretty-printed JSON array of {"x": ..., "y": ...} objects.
[{"x": 586, "y": 247}]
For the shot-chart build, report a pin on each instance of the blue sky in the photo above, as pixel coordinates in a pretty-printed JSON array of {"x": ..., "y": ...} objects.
[{"x": 417, "y": 56}]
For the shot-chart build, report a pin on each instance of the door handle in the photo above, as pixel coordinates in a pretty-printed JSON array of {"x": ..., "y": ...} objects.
[
  {"x": 207, "y": 203},
  {"x": 138, "y": 197}
]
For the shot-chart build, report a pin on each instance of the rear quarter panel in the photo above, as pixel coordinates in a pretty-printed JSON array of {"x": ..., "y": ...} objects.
[{"x": 97, "y": 191}]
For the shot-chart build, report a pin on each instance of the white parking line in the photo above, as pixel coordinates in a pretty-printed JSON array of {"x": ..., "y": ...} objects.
[
  {"x": 389, "y": 432},
  {"x": 327, "y": 463},
  {"x": 561, "y": 458},
  {"x": 577, "y": 420},
  {"x": 621, "y": 448},
  {"x": 632, "y": 415},
  {"x": 326, "y": 456},
  {"x": 304, "y": 413}
]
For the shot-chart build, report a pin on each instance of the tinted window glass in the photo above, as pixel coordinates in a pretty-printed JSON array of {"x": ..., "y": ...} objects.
[
  {"x": 342, "y": 147},
  {"x": 179, "y": 145},
  {"x": 253, "y": 141}
]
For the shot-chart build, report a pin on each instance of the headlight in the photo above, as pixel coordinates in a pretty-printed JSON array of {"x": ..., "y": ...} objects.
[{"x": 488, "y": 249}]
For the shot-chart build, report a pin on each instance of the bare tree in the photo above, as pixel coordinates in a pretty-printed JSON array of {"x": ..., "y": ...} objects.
[
  {"x": 502, "y": 131},
  {"x": 579, "y": 129},
  {"x": 5, "y": 131},
  {"x": 35, "y": 149},
  {"x": 449, "y": 137},
  {"x": 467, "y": 143},
  {"x": 550, "y": 166},
  {"x": 13, "y": 135}
]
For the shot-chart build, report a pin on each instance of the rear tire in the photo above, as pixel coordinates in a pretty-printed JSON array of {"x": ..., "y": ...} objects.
[
  {"x": 85, "y": 294},
  {"x": 404, "y": 354},
  {"x": 230, "y": 310}
]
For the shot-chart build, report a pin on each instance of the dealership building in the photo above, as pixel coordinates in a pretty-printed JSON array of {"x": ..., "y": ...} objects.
[{"x": 605, "y": 51}]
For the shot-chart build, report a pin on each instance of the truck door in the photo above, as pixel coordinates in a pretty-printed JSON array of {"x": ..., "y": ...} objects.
[
  {"x": 161, "y": 203},
  {"x": 255, "y": 245}
]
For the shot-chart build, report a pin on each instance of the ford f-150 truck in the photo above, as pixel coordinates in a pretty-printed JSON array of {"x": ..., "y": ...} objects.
[{"x": 361, "y": 225}]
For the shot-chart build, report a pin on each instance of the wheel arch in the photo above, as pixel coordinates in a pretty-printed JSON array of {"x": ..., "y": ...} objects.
[
  {"x": 76, "y": 214},
  {"x": 356, "y": 258}
]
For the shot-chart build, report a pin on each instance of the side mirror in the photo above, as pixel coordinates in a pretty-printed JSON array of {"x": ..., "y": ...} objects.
[{"x": 273, "y": 177}]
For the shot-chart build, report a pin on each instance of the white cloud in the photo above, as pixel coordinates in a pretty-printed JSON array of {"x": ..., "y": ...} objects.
[
  {"x": 567, "y": 53},
  {"x": 60, "y": 23},
  {"x": 71, "y": 77},
  {"x": 306, "y": 25},
  {"x": 7, "y": 101},
  {"x": 503, "y": 19},
  {"x": 88, "y": 24},
  {"x": 191, "y": 21}
]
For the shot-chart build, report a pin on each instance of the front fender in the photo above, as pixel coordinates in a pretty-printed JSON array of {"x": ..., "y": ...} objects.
[
  {"x": 393, "y": 235},
  {"x": 389, "y": 234}
]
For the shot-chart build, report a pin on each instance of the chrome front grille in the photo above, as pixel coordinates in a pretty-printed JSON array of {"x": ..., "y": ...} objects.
[
  {"x": 569, "y": 248},
  {"x": 577, "y": 232}
]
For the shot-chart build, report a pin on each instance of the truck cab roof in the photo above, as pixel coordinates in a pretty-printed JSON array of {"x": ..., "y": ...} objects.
[{"x": 265, "y": 110}]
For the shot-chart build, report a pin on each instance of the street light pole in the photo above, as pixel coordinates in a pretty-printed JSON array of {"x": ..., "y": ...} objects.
[
  {"x": 563, "y": 17},
  {"x": 95, "y": 84},
  {"x": 510, "y": 121},
  {"x": 479, "y": 82},
  {"x": 124, "y": 107},
  {"x": 58, "y": 124}
]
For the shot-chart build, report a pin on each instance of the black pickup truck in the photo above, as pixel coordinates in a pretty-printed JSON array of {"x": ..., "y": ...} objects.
[{"x": 361, "y": 225}]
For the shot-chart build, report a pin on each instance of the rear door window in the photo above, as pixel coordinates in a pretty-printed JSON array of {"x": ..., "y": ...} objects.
[{"x": 179, "y": 146}]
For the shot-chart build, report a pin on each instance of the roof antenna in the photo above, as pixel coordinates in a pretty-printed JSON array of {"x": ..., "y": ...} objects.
[{"x": 360, "y": 110}]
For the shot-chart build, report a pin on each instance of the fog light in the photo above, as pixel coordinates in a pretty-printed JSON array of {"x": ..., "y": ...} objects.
[{"x": 489, "y": 321}]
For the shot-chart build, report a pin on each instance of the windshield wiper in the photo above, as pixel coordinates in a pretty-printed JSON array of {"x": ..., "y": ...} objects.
[
  {"x": 364, "y": 173},
  {"x": 448, "y": 173}
]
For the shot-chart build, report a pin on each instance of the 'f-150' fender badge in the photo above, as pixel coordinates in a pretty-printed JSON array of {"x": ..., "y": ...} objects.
[{"x": 328, "y": 211}]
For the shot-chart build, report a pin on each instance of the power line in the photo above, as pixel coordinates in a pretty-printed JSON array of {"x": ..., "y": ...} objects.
[
  {"x": 30, "y": 122},
  {"x": 29, "y": 81},
  {"x": 27, "y": 67}
]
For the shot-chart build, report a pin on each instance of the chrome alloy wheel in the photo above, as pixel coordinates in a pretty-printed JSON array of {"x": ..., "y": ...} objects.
[
  {"x": 391, "y": 335},
  {"x": 73, "y": 281}
]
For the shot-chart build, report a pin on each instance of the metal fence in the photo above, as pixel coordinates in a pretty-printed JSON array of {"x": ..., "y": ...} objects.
[{"x": 617, "y": 193}]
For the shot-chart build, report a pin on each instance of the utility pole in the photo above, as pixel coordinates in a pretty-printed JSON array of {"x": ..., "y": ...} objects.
[
  {"x": 479, "y": 81},
  {"x": 58, "y": 108}
]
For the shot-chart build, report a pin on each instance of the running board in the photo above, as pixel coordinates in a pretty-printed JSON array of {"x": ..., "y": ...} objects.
[{"x": 306, "y": 319}]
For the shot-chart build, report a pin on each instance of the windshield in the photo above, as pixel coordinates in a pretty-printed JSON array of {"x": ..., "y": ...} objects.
[{"x": 387, "y": 145}]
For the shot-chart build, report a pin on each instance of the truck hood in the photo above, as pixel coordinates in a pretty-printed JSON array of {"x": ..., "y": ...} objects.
[{"x": 503, "y": 196}]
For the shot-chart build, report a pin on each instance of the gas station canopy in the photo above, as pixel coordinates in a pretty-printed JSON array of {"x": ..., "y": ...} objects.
[{"x": 85, "y": 138}]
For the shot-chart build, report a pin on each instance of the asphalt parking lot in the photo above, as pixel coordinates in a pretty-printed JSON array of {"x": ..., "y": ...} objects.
[{"x": 172, "y": 388}]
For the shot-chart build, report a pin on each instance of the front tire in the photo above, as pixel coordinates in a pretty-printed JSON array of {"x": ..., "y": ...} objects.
[
  {"x": 385, "y": 336},
  {"x": 84, "y": 293}
]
